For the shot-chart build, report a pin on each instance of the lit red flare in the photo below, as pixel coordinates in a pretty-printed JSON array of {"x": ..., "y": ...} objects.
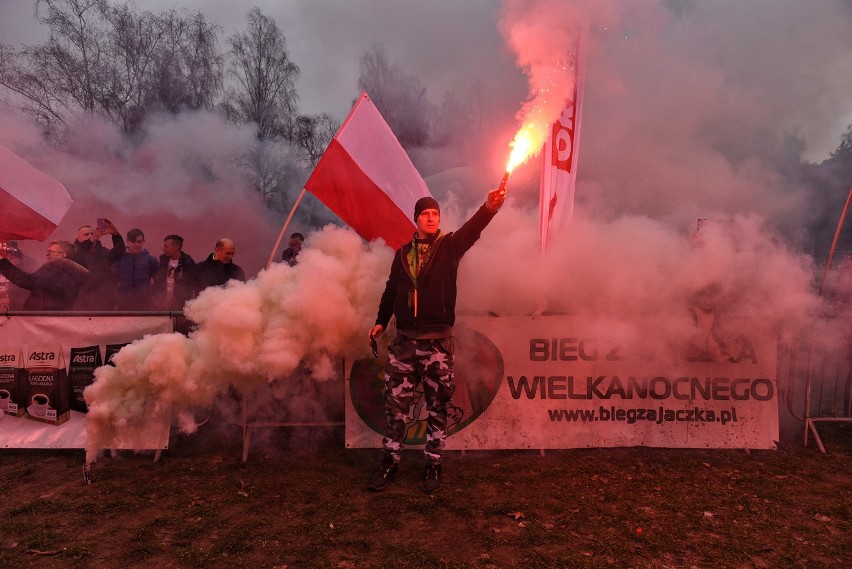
[{"x": 502, "y": 187}]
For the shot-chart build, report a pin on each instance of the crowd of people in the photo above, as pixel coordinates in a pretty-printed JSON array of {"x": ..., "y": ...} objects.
[{"x": 121, "y": 276}]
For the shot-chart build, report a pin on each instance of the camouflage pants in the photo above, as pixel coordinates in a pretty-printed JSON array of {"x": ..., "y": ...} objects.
[{"x": 411, "y": 362}]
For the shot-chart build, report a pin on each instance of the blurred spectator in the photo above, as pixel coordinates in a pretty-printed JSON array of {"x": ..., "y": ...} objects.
[
  {"x": 54, "y": 285},
  {"x": 134, "y": 274},
  {"x": 291, "y": 253},
  {"x": 173, "y": 281},
  {"x": 218, "y": 268},
  {"x": 98, "y": 293},
  {"x": 11, "y": 296}
]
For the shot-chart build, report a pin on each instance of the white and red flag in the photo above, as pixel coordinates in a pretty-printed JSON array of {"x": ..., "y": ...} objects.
[
  {"x": 559, "y": 168},
  {"x": 32, "y": 203},
  {"x": 367, "y": 179}
]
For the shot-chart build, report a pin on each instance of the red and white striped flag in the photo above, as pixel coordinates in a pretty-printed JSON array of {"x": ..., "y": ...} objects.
[
  {"x": 367, "y": 179},
  {"x": 32, "y": 203},
  {"x": 559, "y": 169}
]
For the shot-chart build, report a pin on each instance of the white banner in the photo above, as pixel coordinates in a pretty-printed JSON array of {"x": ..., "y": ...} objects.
[
  {"x": 559, "y": 159},
  {"x": 563, "y": 382},
  {"x": 19, "y": 333}
]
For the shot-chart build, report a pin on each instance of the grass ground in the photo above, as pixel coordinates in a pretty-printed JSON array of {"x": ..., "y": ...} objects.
[{"x": 302, "y": 503}]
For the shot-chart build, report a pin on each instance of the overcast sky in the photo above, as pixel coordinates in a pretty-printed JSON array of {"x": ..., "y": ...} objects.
[
  {"x": 447, "y": 45},
  {"x": 795, "y": 57}
]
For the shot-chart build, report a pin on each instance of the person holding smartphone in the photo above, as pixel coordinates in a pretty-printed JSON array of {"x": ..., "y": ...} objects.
[{"x": 98, "y": 293}]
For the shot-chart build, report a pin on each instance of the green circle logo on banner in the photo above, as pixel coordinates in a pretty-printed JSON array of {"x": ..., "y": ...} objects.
[{"x": 477, "y": 371}]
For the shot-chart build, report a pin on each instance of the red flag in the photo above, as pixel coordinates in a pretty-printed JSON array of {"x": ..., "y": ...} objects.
[
  {"x": 559, "y": 171},
  {"x": 367, "y": 179}
]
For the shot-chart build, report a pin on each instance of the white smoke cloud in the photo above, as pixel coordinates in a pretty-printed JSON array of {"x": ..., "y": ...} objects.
[{"x": 248, "y": 335}]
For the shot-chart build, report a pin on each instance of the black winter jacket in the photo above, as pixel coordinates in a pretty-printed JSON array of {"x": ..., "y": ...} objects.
[
  {"x": 211, "y": 272},
  {"x": 183, "y": 290},
  {"x": 53, "y": 286},
  {"x": 436, "y": 284},
  {"x": 98, "y": 292}
]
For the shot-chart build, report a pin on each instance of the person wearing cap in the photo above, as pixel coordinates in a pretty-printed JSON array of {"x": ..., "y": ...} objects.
[{"x": 421, "y": 294}]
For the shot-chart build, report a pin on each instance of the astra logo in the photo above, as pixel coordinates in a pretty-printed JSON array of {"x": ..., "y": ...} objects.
[
  {"x": 42, "y": 356},
  {"x": 83, "y": 359},
  {"x": 8, "y": 358}
]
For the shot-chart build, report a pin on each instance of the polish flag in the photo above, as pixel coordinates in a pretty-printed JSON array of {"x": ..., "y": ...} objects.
[
  {"x": 367, "y": 179},
  {"x": 559, "y": 171},
  {"x": 32, "y": 203}
]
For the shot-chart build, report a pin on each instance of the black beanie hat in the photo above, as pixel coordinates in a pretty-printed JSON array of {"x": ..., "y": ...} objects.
[{"x": 425, "y": 203}]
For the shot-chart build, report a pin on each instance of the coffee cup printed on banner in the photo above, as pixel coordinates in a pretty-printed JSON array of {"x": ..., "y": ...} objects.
[
  {"x": 5, "y": 396},
  {"x": 40, "y": 405}
]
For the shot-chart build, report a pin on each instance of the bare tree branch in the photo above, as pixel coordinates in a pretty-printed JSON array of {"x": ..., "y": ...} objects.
[
  {"x": 114, "y": 61},
  {"x": 265, "y": 91}
]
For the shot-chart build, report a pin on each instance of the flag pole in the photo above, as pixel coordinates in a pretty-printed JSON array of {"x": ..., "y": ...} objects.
[
  {"x": 834, "y": 243},
  {"x": 284, "y": 229}
]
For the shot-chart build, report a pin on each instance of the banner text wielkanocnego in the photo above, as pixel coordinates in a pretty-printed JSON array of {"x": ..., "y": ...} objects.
[{"x": 643, "y": 387}]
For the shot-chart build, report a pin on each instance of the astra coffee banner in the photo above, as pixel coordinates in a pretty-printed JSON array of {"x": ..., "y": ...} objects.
[
  {"x": 46, "y": 362},
  {"x": 565, "y": 382}
]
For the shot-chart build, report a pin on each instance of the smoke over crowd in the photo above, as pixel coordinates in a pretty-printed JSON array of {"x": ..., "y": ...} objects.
[
  {"x": 691, "y": 112},
  {"x": 248, "y": 334}
]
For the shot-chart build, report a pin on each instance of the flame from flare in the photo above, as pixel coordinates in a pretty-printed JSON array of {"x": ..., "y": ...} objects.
[
  {"x": 527, "y": 142},
  {"x": 552, "y": 69}
]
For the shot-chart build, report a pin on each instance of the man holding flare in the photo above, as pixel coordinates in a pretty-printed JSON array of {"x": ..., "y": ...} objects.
[{"x": 421, "y": 294}]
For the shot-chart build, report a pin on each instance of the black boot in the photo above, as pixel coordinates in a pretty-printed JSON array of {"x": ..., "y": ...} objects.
[
  {"x": 432, "y": 483},
  {"x": 384, "y": 475}
]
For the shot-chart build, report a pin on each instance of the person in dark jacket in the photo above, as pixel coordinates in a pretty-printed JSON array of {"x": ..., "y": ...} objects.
[
  {"x": 134, "y": 274},
  {"x": 173, "y": 281},
  {"x": 98, "y": 293},
  {"x": 11, "y": 296},
  {"x": 218, "y": 268},
  {"x": 53, "y": 286},
  {"x": 421, "y": 294},
  {"x": 290, "y": 255}
]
